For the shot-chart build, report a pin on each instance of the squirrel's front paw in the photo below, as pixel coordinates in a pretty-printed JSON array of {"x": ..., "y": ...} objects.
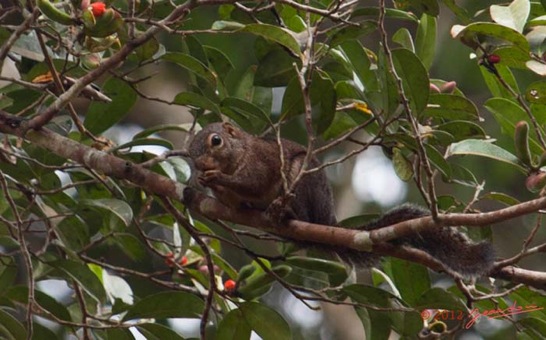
[
  {"x": 279, "y": 212},
  {"x": 209, "y": 177}
]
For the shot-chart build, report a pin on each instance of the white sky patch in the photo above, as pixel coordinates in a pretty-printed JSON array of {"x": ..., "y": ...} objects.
[{"x": 374, "y": 179}]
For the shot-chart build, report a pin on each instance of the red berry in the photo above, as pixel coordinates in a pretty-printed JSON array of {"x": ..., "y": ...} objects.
[
  {"x": 493, "y": 59},
  {"x": 229, "y": 286},
  {"x": 98, "y": 8},
  {"x": 183, "y": 261},
  {"x": 169, "y": 259}
]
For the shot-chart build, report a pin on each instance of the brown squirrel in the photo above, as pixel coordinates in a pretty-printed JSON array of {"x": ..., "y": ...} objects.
[{"x": 244, "y": 171}]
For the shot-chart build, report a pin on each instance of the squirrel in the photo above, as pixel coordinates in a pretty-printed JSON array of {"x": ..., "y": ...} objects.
[{"x": 244, "y": 171}]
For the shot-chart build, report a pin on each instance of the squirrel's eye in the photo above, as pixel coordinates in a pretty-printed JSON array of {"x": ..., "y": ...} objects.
[{"x": 215, "y": 140}]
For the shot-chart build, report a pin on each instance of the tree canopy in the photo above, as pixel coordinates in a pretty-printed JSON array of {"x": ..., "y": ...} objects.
[{"x": 99, "y": 238}]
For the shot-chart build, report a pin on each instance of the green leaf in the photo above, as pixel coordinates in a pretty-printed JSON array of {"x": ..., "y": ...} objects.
[
  {"x": 414, "y": 77},
  {"x": 196, "y": 100},
  {"x": 20, "y": 294},
  {"x": 391, "y": 13},
  {"x": 148, "y": 49},
  {"x": 501, "y": 197},
  {"x": 404, "y": 38},
  {"x": 119, "y": 334},
  {"x": 130, "y": 245},
  {"x": 118, "y": 207},
  {"x": 253, "y": 112},
  {"x": 260, "y": 282},
  {"x": 411, "y": 279},
  {"x": 275, "y": 69},
  {"x": 160, "y": 128},
  {"x": 451, "y": 107},
  {"x": 155, "y": 331},
  {"x": 233, "y": 326},
  {"x": 513, "y": 16},
  {"x": 369, "y": 295},
  {"x": 534, "y": 327},
  {"x": 473, "y": 33},
  {"x": 507, "y": 114},
  {"x": 360, "y": 61},
  {"x": 428, "y": 6},
  {"x": 73, "y": 233},
  {"x": 495, "y": 87},
  {"x": 323, "y": 100},
  {"x": 402, "y": 166},
  {"x": 219, "y": 60},
  {"x": 337, "y": 273},
  {"x": 425, "y": 40},
  {"x": 437, "y": 298},
  {"x": 101, "y": 116},
  {"x": 10, "y": 328},
  {"x": 463, "y": 129},
  {"x": 351, "y": 33},
  {"x": 193, "y": 65},
  {"x": 84, "y": 276},
  {"x": 482, "y": 148},
  {"x": 266, "y": 322},
  {"x": 274, "y": 33},
  {"x": 536, "y": 92},
  {"x": 8, "y": 274},
  {"x": 166, "y": 305}
]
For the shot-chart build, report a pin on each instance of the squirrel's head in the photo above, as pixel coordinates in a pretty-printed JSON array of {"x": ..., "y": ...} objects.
[{"x": 215, "y": 147}]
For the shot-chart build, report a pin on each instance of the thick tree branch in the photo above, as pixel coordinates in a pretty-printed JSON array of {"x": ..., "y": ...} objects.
[{"x": 374, "y": 241}]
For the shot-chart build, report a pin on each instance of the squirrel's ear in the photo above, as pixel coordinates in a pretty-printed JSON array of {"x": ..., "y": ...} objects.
[{"x": 231, "y": 130}]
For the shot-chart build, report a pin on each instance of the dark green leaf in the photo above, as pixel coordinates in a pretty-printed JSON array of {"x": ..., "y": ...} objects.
[
  {"x": 411, "y": 279},
  {"x": 360, "y": 60},
  {"x": 451, "y": 107},
  {"x": 101, "y": 116},
  {"x": 220, "y": 62},
  {"x": 84, "y": 276},
  {"x": 118, "y": 207},
  {"x": 471, "y": 32},
  {"x": 20, "y": 294},
  {"x": 233, "y": 326},
  {"x": 275, "y": 69},
  {"x": 507, "y": 114},
  {"x": 166, "y": 305},
  {"x": 483, "y": 148},
  {"x": 161, "y": 128},
  {"x": 131, "y": 246},
  {"x": 425, "y": 41},
  {"x": 196, "y": 100},
  {"x": 337, "y": 273},
  {"x": 266, "y": 322},
  {"x": 536, "y": 92},
  {"x": 404, "y": 38},
  {"x": 437, "y": 298},
  {"x": 414, "y": 78},
  {"x": 253, "y": 112},
  {"x": 274, "y": 33},
  {"x": 463, "y": 129},
  {"x": 154, "y": 331},
  {"x": 501, "y": 197},
  {"x": 193, "y": 65},
  {"x": 351, "y": 33},
  {"x": 145, "y": 142},
  {"x": 10, "y": 328},
  {"x": 389, "y": 13}
]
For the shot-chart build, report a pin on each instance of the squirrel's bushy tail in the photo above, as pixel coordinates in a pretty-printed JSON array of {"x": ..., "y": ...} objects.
[{"x": 448, "y": 245}]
